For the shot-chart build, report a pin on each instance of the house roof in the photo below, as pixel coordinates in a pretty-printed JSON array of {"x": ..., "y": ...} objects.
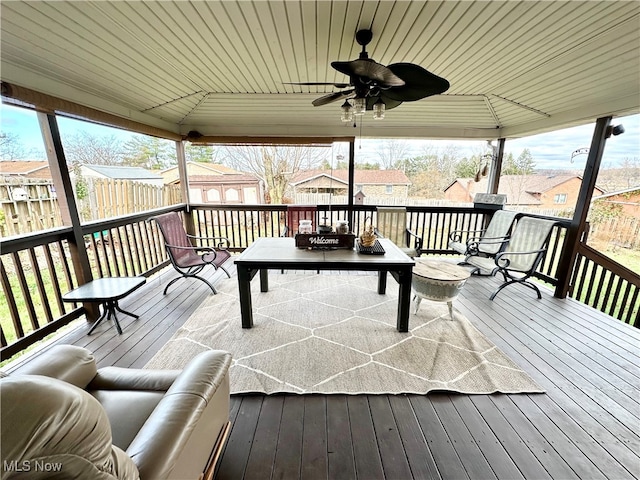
[
  {"x": 223, "y": 179},
  {"x": 124, "y": 173},
  {"x": 215, "y": 168},
  {"x": 364, "y": 177},
  {"x": 22, "y": 167},
  {"x": 619, "y": 192},
  {"x": 520, "y": 189},
  {"x": 224, "y": 69}
]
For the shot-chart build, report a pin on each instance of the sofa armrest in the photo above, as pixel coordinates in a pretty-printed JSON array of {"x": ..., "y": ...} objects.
[
  {"x": 118, "y": 378},
  {"x": 159, "y": 444},
  {"x": 74, "y": 365}
]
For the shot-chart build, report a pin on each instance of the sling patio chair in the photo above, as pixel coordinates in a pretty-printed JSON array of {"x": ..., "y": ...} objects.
[
  {"x": 487, "y": 242},
  {"x": 187, "y": 259},
  {"x": 524, "y": 251},
  {"x": 392, "y": 224}
]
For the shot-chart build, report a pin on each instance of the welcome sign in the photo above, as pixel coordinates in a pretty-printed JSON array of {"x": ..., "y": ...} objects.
[{"x": 326, "y": 241}]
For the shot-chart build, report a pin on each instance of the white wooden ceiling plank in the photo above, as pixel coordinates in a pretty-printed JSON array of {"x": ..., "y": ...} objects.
[
  {"x": 612, "y": 60},
  {"x": 526, "y": 47},
  {"x": 352, "y": 22},
  {"x": 269, "y": 75},
  {"x": 294, "y": 24},
  {"x": 309, "y": 31},
  {"x": 196, "y": 36},
  {"x": 281, "y": 41},
  {"x": 497, "y": 37},
  {"x": 52, "y": 41},
  {"x": 169, "y": 38},
  {"x": 222, "y": 64},
  {"x": 509, "y": 46},
  {"x": 323, "y": 70},
  {"x": 396, "y": 37},
  {"x": 123, "y": 27},
  {"x": 72, "y": 70},
  {"x": 338, "y": 12},
  {"x": 239, "y": 39},
  {"x": 460, "y": 58}
]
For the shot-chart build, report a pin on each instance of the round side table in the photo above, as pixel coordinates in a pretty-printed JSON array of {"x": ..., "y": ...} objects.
[{"x": 438, "y": 281}]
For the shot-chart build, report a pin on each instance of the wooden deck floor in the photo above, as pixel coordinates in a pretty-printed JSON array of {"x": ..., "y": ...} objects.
[{"x": 586, "y": 425}]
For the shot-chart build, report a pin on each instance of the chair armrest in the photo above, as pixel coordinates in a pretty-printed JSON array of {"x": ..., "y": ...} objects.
[
  {"x": 72, "y": 364},
  {"x": 161, "y": 440},
  {"x": 502, "y": 259},
  {"x": 473, "y": 246},
  {"x": 203, "y": 250},
  {"x": 489, "y": 240},
  {"x": 456, "y": 235},
  {"x": 117, "y": 378},
  {"x": 417, "y": 241},
  {"x": 221, "y": 241}
]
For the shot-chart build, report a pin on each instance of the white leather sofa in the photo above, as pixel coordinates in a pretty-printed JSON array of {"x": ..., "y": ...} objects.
[{"x": 63, "y": 418}]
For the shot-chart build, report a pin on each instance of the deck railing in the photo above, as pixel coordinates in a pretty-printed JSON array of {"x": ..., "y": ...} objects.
[
  {"x": 243, "y": 224},
  {"x": 37, "y": 269}
]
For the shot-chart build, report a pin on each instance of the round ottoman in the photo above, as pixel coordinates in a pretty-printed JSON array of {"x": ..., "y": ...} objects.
[{"x": 438, "y": 281}]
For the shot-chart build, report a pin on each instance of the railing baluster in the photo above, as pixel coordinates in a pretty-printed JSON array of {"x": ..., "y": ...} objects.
[
  {"x": 11, "y": 301},
  {"x": 54, "y": 278},
  {"x": 37, "y": 273}
]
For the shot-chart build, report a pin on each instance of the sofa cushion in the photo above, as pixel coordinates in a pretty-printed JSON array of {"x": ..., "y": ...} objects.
[{"x": 52, "y": 429}]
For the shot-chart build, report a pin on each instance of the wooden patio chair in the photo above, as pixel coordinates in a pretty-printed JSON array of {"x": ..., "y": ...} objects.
[
  {"x": 485, "y": 243},
  {"x": 294, "y": 214},
  {"x": 392, "y": 224},
  {"x": 189, "y": 260},
  {"x": 522, "y": 255}
]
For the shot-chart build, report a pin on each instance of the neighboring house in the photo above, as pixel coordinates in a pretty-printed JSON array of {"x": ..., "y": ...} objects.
[
  {"x": 558, "y": 192},
  {"x": 113, "y": 172},
  {"x": 627, "y": 200},
  {"x": 214, "y": 183},
  {"x": 170, "y": 175},
  {"x": 25, "y": 169},
  {"x": 392, "y": 183},
  {"x": 25, "y": 179}
]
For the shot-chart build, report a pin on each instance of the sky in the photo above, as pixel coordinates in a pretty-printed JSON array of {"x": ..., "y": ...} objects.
[{"x": 549, "y": 151}]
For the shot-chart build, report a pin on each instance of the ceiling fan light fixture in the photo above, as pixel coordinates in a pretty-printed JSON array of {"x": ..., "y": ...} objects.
[
  {"x": 378, "y": 110},
  {"x": 359, "y": 105},
  {"x": 347, "y": 112}
]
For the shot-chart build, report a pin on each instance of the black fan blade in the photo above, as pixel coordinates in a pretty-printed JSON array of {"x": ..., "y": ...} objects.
[
  {"x": 418, "y": 83},
  {"x": 337, "y": 85},
  {"x": 389, "y": 103},
  {"x": 371, "y": 70},
  {"x": 332, "y": 97}
]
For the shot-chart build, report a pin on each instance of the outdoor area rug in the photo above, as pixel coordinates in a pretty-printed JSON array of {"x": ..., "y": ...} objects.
[{"x": 335, "y": 334}]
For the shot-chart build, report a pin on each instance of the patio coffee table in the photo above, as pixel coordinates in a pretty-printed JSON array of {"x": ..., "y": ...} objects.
[
  {"x": 281, "y": 253},
  {"x": 108, "y": 291},
  {"x": 438, "y": 281}
]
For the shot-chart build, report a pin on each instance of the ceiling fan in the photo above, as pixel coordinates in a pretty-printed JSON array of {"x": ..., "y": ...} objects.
[{"x": 373, "y": 86}]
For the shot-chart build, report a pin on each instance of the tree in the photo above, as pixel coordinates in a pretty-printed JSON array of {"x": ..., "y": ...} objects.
[
  {"x": 200, "y": 153},
  {"x": 467, "y": 167},
  {"x": 523, "y": 165},
  {"x": 84, "y": 148},
  {"x": 149, "y": 152},
  {"x": 433, "y": 171},
  {"x": 392, "y": 152},
  {"x": 12, "y": 148},
  {"x": 275, "y": 165}
]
